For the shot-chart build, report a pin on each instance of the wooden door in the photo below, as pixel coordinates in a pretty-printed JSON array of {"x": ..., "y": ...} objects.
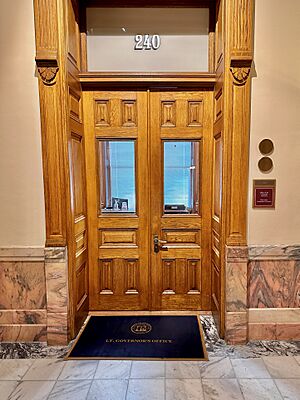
[
  {"x": 160, "y": 130},
  {"x": 118, "y": 199},
  {"x": 181, "y": 200}
]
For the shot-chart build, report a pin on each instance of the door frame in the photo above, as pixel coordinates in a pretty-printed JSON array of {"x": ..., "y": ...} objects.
[{"x": 59, "y": 62}]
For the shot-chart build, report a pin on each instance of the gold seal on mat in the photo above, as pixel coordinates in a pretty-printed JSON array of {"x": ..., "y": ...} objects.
[{"x": 141, "y": 328}]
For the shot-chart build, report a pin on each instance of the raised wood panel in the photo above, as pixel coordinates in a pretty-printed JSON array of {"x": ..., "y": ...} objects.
[
  {"x": 181, "y": 237},
  {"x": 215, "y": 288},
  {"x": 118, "y": 238},
  {"x": 131, "y": 276},
  {"x": 80, "y": 225},
  {"x": 78, "y": 184},
  {"x": 73, "y": 33},
  {"x": 216, "y": 242},
  {"x": 193, "y": 277},
  {"x": 81, "y": 285},
  {"x": 75, "y": 106},
  {"x": 129, "y": 113},
  {"x": 217, "y": 176},
  {"x": 168, "y": 276},
  {"x": 118, "y": 252},
  {"x": 102, "y": 113},
  {"x": 106, "y": 276},
  {"x": 168, "y": 114},
  {"x": 195, "y": 113},
  {"x": 81, "y": 242},
  {"x": 219, "y": 36},
  {"x": 218, "y": 104}
]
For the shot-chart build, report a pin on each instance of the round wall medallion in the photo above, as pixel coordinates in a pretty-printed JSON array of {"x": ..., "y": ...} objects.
[
  {"x": 265, "y": 164},
  {"x": 266, "y": 147},
  {"x": 141, "y": 328}
]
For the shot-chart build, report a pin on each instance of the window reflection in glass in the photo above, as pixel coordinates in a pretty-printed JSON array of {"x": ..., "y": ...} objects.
[
  {"x": 117, "y": 176},
  {"x": 181, "y": 177}
]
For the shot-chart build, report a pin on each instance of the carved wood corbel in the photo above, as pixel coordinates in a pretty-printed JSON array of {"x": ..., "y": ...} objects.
[
  {"x": 47, "y": 69},
  {"x": 240, "y": 69}
]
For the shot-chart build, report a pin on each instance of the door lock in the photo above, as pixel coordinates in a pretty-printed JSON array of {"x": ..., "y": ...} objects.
[{"x": 158, "y": 244}]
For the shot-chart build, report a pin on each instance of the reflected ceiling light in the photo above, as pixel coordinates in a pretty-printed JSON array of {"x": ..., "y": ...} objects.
[{"x": 123, "y": 29}]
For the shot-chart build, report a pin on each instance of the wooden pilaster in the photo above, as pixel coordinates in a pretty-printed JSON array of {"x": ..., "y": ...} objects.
[
  {"x": 50, "y": 69},
  {"x": 238, "y": 61}
]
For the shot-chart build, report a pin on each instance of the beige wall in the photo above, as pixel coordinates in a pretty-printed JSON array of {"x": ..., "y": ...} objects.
[
  {"x": 22, "y": 218},
  {"x": 276, "y": 115}
]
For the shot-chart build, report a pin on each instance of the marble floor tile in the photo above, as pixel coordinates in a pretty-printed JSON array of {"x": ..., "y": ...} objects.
[
  {"x": 14, "y": 370},
  {"x": 75, "y": 370},
  {"x": 146, "y": 389},
  {"x": 221, "y": 389},
  {"x": 217, "y": 368},
  {"x": 33, "y": 390},
  {"x": 6, "y": 388},
  {"x": 44, "y": 370},
  {"x": 182, "y": 369},
  {"x": 259, "y": 389},
  {"x": 184, "y": 389},
  {"x": 297, "y": 358},
  {"x": 147, "y": 369},
  {"x": 289, "y": 388},
  {"x": 282, "y": 367},
  {"x": 250, "y": 368},
  {"x": 113, "y": 369},
  {"x": 108, "y": 390},
  {"x": 70, "y": 390}
]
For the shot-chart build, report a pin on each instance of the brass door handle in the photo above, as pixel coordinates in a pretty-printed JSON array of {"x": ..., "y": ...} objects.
[{"x": 158, "y": 244}]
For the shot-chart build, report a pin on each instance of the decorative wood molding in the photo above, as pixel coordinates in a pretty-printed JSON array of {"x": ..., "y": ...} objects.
[
  {"x": 144, "y": 79},
  {"x": 240, "y": 68},
  {"x": 47, "y": 70},
  {"x": 240, "y": 75},
  {"x": 48, "y": 74}
]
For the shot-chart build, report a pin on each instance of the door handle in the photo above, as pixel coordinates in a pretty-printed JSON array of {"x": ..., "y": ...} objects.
[{"x": 158, "y": 244}]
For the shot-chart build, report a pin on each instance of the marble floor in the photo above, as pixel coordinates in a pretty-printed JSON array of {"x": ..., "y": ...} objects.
[{"x": 258, "y": 371}]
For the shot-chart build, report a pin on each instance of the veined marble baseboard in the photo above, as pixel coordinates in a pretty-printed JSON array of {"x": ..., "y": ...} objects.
[
  {"x": 274, "y": 324},
  {"x": 28, "y": 254},
  {"x": 270, "y": 252},
  {"x": 274, "y": 315}
]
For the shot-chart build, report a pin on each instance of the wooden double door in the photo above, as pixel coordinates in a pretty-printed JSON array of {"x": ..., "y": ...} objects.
[{"x": 148, "y": 162}]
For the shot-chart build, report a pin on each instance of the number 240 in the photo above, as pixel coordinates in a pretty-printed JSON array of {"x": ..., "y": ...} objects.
[{"x": 146, "y": 42}]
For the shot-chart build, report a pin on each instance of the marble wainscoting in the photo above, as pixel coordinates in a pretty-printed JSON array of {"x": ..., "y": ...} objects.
[
  {"x": 274, "y": 292},
  {"x": 236, "y": 313},
  {"x": 23, "y": 314},
  {"x": 56, "y": 267}
]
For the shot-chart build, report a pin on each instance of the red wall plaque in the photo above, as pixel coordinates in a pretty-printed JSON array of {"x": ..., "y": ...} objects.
[{"x": 264, "y": 193}]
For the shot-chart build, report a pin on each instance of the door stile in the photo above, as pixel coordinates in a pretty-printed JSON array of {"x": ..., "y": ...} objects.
[{"x": 155, "y": 193}]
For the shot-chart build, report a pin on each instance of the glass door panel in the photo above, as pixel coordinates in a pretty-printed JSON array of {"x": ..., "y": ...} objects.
[
  {"x": 117, "y": 176},
  {"x": 181, "y": 177}
]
